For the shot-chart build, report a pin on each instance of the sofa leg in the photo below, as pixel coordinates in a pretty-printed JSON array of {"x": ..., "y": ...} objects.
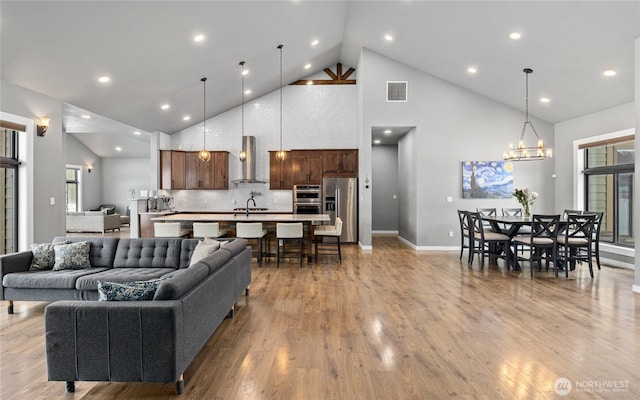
[
  {"x": 10, "y": 307},
  {"x": 71, "y": 386},
  {"x": 246, "y": 291},
  {"x": 180, "y": 385},
  {"x": 231, "y": 312}
]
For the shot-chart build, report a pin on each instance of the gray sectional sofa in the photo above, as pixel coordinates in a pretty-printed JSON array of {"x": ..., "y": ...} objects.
[{"x": 131, "y": 341}]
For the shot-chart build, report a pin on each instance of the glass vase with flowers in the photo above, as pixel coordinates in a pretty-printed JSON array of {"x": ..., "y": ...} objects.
[{"x": 526, "y": 198}]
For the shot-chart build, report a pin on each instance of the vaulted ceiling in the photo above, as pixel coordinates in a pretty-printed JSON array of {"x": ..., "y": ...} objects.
[{"x": 146, "y": 48}]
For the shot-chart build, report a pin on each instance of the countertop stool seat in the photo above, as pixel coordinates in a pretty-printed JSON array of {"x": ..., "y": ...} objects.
[
  {"x": 329, "y": 231},
  {"x": 208, "y": 229},
  {"x": 169, "y": 229},
  {"x": 288, "y": 232},
  {"x": 253, "y": 230}
]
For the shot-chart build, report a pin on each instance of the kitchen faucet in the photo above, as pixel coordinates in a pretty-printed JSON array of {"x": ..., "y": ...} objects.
[{"x": 254, "y": 204}]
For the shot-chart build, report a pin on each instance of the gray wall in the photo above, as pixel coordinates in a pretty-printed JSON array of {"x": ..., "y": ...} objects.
[
  {"x": 384, "y": 167},
  {"x": 119, "y": 175},
  {"x": 49, "y": 155},
  {"x": 79, "y": 154},
  {"x": 408, "y": 187},
  {"x": 452, "y": 125}
]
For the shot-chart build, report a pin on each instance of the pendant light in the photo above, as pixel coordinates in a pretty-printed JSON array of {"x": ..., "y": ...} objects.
[
  {"x": 281, "y": 155},
  {"x": 242, "y": 155},
  {"x": 204, "y": 154},
  {"x": 522, "y": 152}
]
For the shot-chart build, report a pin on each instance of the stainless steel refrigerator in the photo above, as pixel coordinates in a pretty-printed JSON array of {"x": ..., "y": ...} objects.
[{"x": 340, "y": 199}]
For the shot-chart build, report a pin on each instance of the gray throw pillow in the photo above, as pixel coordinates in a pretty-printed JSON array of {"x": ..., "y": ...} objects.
[
  {"x": 72, "y": 256},
  {"x": 129, "y": 291},
  {"x": 44, "y": 256}
]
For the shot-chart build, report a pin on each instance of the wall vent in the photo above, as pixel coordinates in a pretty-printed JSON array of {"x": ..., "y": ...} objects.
[{"x": 396, "y": 91}]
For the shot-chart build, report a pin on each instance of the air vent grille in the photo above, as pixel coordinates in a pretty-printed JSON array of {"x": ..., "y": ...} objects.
[{"x": 396, "y": 91}]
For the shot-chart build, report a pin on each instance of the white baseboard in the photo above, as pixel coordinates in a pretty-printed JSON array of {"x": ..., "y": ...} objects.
[
  {"x": 365, "y": 247},
  {"x": 385, "y": 232},
  {"x": 616, "y": 263}
]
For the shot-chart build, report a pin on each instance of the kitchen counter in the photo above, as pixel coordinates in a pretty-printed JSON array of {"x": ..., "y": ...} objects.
[{"x": 241, "y": 217}]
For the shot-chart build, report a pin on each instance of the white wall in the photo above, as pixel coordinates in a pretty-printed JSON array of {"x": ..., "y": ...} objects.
[
  {"x": 120, "y": 175},
  {"x": 452, "y": 125},
  {"x": 385, "y": 176},
  {"x": 79, "y": 154},
  {"x": 314, "y": 117},
  {"x": 49, "y": 158}
]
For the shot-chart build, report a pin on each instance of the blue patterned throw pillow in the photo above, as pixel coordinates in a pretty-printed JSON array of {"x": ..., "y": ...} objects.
[
  {"x": 129, "y": 291},
  {"x": 44, "y": 256},
  {"x": 72, "y": 256}
]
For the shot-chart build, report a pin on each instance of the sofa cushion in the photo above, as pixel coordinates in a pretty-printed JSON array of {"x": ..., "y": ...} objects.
[
  {"x": 130, "y": 291},
  {"x": 44, "y": 256},
  {"x": 120, "y": 275},
  {"x": 72, "y": 256},
  {"x": 181, "y": 282},
  {"x": 65, "y": 279},
  {"x": 216, "y": 260},
  {"x": 203, "y": 250},
  {"x": 235, "y": 246},
  {"x": 102, "y": 251},
  {"x": 148, "y": 253}
]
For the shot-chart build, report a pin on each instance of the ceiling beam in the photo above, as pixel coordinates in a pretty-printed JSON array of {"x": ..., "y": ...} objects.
[{"x": 337, "y": 78}]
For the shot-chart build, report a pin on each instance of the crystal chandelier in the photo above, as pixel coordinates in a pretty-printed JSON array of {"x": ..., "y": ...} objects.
[{"x": 523, "y": 152}]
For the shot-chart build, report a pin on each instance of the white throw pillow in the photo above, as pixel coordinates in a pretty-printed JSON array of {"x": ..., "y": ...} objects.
[{"x": 203, "y": 250}]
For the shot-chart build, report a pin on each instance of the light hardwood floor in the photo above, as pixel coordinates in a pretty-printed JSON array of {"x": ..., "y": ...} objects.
[{"x": 387, "y": 324}]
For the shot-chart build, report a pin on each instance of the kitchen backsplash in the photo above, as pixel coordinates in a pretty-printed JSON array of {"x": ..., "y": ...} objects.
[{"x": 223, "y": 200}]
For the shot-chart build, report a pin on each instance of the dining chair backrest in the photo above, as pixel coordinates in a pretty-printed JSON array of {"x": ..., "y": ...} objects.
[
  {"x": 545, "y": 226},
  {"x": 338, "y": 226},
  {"x": 166, "y": 229},
  {"x": 512, "y": 212},
  {"x": 208, "y": 229},
  {"x": 289, "y": 230},
  {"x": 580, "y": 229},
  {"x": 476, "y": 225},
  {"x": 249, "y": 230},
  {"x": 566, "y": 213},
  {"x": 487, "y": 212}
]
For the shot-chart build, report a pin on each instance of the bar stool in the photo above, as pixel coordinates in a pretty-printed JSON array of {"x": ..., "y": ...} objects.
[
  {"x": 169, "y": 229},
  {"x": 288, "y": 231},
  {"x": 252, "y": 230},
  {"x": 208, "y": 229},
  {"x": 333, "y": 231}
]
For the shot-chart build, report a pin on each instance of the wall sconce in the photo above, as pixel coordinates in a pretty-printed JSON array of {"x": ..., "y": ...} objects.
[
  {"x": 89, "y": 168},
  {"x": 42, "y": 126}
]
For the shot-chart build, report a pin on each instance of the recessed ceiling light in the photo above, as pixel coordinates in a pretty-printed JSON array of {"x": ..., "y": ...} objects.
[
  {"x": 186, "y": 118},
  {"x": 387, "y": 132},
  {"x": 104, "y": 79},
  {"x": 315, "y": 42},
  {"x": 388, "y": 38},
  {"x": 248, "y": 91},
  {"x": 515, "y": 35},
  {"x": 136, "y": 132},
  {"x": 544, "y": 99},
  {"x": 307, "y": 66},
  {"x": 245, "y": 72},
  {"x": 165, "y": 106},
  {"x": 472, "y": 70},
  {"x": 198, "y": 38},
  {"x": 118, "y": 148},
  {"x": 86, "y": 116},
  {"x": 610, "y": 72},
  {"x": 377, "y": 141}
]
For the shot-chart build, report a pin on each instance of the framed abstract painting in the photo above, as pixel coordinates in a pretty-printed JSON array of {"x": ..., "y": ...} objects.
[{"x": 487, "y": 179}]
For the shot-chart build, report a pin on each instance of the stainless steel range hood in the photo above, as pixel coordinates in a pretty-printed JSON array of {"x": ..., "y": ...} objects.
[{"x": 249, "y": 165}]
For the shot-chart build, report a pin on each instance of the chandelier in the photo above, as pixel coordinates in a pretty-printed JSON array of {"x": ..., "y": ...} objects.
[
  {"x": 523, "y": 152},
  {"x": 242, "y": 155},
  {"x": 204, "y": 154},
  {"x": 281, "y": 155}
]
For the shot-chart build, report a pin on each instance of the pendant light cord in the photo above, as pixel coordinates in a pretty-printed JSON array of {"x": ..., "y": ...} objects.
[
  {"x": 204, "y": 113},
  {"x": 280, "y": 47}
]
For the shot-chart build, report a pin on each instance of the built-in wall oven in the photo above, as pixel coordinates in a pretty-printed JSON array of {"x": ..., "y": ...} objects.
[{"x": 307, "y": 199}]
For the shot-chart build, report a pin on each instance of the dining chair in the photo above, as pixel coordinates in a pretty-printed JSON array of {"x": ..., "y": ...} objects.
[
  {"x": 516, "y": 212},
  {"x": 253, "y": 231},
  {"x": 287, "y": 232},
  {"x": 487, "y": 212},
  {"x": 575, "y": 244},
  {"x": 596, "y": 235},
  {"x": 208, "y": 229},
  {"x": 331, "y": 231},
  {"x": 465, "y": 233},
  {"x": 566, "y": 213},
  {"x": 169, "y": 229},
  {"x": 485, "y": 243},
  {"x": 541, "y": 240}
]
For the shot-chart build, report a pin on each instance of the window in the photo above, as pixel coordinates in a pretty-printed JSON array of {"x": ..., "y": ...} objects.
[
  {"x": 73, "y": 188},
  {"x": 608, "y": 183},
  {"x": 9, "y": 187}
]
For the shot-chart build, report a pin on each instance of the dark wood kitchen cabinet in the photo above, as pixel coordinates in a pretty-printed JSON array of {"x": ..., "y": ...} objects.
[
  {"x": 340, "y": 163},
  {"x": 280, "y": 177},
  {"x": 172, "y": 167},
  {"x": 210, "y": 175},
  {"x": 306, "y": 167}
]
